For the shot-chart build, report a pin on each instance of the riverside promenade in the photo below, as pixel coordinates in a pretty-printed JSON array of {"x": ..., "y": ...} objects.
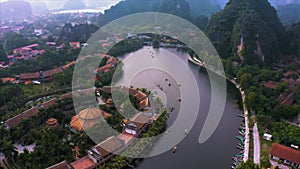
[{"x": 247, "y": 131}]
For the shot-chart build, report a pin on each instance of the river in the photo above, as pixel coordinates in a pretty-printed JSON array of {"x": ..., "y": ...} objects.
[{"x": 215, "y": 153}]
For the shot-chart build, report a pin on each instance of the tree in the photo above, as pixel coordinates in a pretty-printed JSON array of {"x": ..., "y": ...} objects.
[
  {"x": 16, "y": 41},
  {"x": 3, "y": 55},
  {"x": 245, "y": 80},
  {"x": 265, "y": 162},
  {"x": 248, "y": 165}
]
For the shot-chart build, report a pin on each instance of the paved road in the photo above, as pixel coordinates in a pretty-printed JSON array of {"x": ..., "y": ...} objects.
[{"x": 256, "y": 142}]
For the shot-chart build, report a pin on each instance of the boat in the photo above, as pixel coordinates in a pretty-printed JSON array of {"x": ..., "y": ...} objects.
[
  {"x": 241, "y": 115},
  {"x": 186, "y": 131},
  {"x": 242, "y": 128},
  {"x": 240, "y": 148},
  {"x": 174, "y": 149},
  {"x": 242, "y": 133},
  {"x": 240, "y": 138},
  {"x": 239, "y": 155}
]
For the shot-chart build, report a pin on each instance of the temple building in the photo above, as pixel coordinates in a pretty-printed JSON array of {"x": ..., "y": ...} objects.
[
  {"x": 87, "y": 118},
  {"x": 52, "y": 123},
  {"x": 137, "y": 123}
]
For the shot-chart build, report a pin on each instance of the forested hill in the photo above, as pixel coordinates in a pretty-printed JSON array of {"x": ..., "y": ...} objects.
[
  {"x": 203, "y": 7},
  {"x": 15, "y": 9},
  {"x": 78, "y": 32},
  {"x": 249, "y": 30},
  {"x": 176, "y": 7},
  {"x": 294, "y": 33}
]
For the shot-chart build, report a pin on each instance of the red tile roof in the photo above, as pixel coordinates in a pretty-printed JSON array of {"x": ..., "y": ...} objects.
[
  {"x": 83, "y": 163},
  {"x": 101, "y": 69},
  {"x": 16, "y": 120},
  {"x": 144, "y": 103},
  {"x": 140, "y": 95},
  {"x": 285, "y": 153},
  {"x": 51, "y": 72},
  {"x": 67, "y": 95},
  {"x": 270, "y": 84},
  {"x": 8, "y": 79},
  {"x": 61, "y": 165},
  {"x": 49, "y": 103},
  {"x": 287, "y": 74},
  {"x": 68, "y": 65},
  {"x": 35, "y": 75}
]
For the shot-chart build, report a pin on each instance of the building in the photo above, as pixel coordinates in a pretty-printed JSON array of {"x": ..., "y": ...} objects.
[
  {"x": 47, "y": 75},
  {"x": 267, "y": 136},
  {"x": 137, "y": 123},
  {"x": 52, "y": 123},
  {"x": 61, "y": 165},
  {"x": 140, "y": 95},
  {"x": 110, "y": 103},
  {"x": 285, "y": 154},
  {"x": 75, "y": 45},
  {"x": 30, "y": 76},
  {"x": 38, "y": 32},
  {"x": 86, "y": 118},
  {"x": 83, "y": 163},
  {"x": 48, "y": 103},
  {"x": 105, "y": 150},
  {"x": 16, "y": 120}
]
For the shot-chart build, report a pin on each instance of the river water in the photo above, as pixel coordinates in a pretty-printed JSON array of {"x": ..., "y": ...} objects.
[{"x": 215, "y": 153}]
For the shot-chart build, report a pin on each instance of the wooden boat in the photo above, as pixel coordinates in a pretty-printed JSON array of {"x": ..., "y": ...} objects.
[{"x": 174, "y": 149}]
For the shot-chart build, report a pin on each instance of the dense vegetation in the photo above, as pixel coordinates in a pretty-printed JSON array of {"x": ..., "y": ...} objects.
[
  {"x": 47, "y": 61},
  {"x": 254, "y": 21},
  {"x": 78, "y": 32},
  {"x": 182, "y": 8},
  {"x": 294, "y": 33},
  {"x": 207, "y": 7}
]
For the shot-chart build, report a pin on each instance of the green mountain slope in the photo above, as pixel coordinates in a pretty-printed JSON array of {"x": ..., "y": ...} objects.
[{"x": 249, "y": 30}]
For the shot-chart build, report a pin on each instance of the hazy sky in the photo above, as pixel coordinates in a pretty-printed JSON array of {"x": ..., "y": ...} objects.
[{"x": 57, "y": 4}]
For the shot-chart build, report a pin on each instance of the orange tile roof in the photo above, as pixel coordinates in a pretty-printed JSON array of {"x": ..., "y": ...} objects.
[
  {"x": 144, "y": 103},
  {"x": 125, "y": 137},
  {"x": 101, "y": 69},
  {"x": 8, "y": 79},
  {"x": 68, "y": 65},
  {"x": 286, "y": 153},
  {"x": 83, "y": 163},
  {"x": 86, "y": 118},
  {"x": 140, "y": 95}
]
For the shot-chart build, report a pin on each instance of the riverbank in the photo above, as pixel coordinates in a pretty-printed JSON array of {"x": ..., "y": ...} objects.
[{"x": 245, "y": 111}]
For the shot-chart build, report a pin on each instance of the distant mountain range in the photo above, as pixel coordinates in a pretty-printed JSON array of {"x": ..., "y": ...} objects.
[
  {"x": 74, "y": 4},
  {"x": 289, "y": 14}
]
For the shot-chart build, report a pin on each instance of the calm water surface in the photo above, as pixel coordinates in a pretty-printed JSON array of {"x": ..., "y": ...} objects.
[{"x": 215, "y": 153}]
